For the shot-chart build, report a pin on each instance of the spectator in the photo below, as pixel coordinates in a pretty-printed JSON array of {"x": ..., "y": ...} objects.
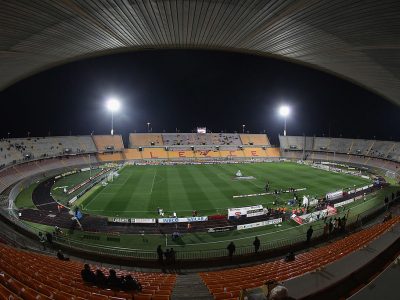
[
  {"x": 279, "y": 293},
  {"x": 309, "y": 234},
  {"x": 57, "y": 230},
  {"x": 130, "y": 284},
  {"x": 49, "y": 238},
  {"x": 387, "y": 217},
  {"x": 231, "y": 249},
  {"x": 256, "y": 244},
  {"x": 113, "y": 282},
  {"x": 61, "y": 256},
  {"x": 330, "y": 227},
  {"x": 387, "y": 202},
  {"x": 326, "y": 228},
  {"x": 160, "y": 254},
  {"x": 167, "y": 256},
  {"x": 42, "y": 240},
  {"x": 172, "y": 254},
  {"x": 176, "y": 235},
  {"x": 343, "y": 223},
  {"x": 290, "y": 256},
  {"x": 87, "y": 274},
  {"x": 336, "y": 225},
  {"x": 101, "y": 280}
]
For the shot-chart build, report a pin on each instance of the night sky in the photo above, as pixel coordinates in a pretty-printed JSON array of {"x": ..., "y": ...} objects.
[{"x": 183, "y": 89}]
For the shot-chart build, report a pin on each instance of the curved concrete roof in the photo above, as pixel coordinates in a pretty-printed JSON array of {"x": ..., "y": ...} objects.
[{"x": 357, "y": 40}]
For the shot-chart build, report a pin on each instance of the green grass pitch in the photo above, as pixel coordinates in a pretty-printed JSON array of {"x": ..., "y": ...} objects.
[{"x": 209, "y": 189}]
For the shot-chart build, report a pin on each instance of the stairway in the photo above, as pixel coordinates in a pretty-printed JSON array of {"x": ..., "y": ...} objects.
[{"x": 190, "y": 286}]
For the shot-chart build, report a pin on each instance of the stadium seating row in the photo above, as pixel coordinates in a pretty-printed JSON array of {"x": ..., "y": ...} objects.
[
  {"x": 227, "y": 284},
  {"x": 255, "y": 139},
  {"x": 371, "y": 148},
  {"x": 16, "y": 150},
  {"x": 145, "y": 139},
  {"x": 373, "y": 162},
  {"x": 161, "y": 153},
  {"x": 29, "y": 275},
  {"x": 24, "y": 149},
  {"x": 17, "y": 172},
  {"x": 175, "y": 139},
  {"x": 108, "y": 142}
]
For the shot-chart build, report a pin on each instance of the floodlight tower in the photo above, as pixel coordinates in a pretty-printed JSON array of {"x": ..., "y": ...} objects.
[
  {"x": 243, "y": 126},
  {"x": 284, "y": 111},
  {"x": 113, "y": 105}
]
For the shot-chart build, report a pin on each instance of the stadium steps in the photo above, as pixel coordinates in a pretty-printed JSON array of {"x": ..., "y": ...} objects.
[
  {"x": 190, "y": 286},
  {"x": 228, "y": 283}
]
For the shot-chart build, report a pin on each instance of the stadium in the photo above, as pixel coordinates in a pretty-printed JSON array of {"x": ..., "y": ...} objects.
[{"x": 199, "y": 215}]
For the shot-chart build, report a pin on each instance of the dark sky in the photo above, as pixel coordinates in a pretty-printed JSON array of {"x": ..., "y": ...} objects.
[{"x": 186, "y": 88}]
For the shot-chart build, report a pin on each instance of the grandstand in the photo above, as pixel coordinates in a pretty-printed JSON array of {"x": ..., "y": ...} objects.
[
  {"x": 110, "y": 156},
  {"x": 201, "y": 146},
  {"x": 18, "y": 150},
  {"x": 133, "y": 154},
  {"x": 108, "y": 143},
  {"x": 35, "y": 276},
  {"x": 145, "y": 139},
  {"x": 370, "y": 148},
  {"x": 49, "y": 158},
  {"x": 217, "y": 139},
  {"x": 31, "y": 275},
  {"x": 109, "y": 147},
  {"x": 228, "y": 284},
  {"x": 379, "y": 155},
  {"x": 154, "y": 153},
  {"x": 34, "y": 155},
  {"x": 255, "y": 139}
]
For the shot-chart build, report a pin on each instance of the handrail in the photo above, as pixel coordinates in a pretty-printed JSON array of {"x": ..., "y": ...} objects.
[{"x": 129, "y": 253}]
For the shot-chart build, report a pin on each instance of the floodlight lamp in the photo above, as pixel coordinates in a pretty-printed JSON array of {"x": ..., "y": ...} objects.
[
  {"x": 284, "y": 111},
  {"x": 113, "y": 105}
]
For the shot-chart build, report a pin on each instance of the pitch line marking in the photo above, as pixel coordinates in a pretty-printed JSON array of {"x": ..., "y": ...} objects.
[
  {"x": 152, "y": 184},
  {"x": 250, "y": 237},
  {"x": 86, "y": 206},
  {"x": 256, "y": 185},
  {"x": 267, "y": 233},
  {"x": 46, "y": 203},
  {"x": 107, "y": 187}
]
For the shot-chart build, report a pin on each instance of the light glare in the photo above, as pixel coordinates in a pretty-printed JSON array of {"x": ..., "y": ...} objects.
[
  {"x": 284, "y": 110},
  {"x": 113, "y": 105}
]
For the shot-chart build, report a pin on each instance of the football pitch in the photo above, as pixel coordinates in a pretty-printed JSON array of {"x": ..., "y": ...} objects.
[{"x": 139, "y": 190}]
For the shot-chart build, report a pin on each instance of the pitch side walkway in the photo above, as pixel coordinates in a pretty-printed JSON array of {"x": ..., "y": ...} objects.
[
  {"x": 304, "y": 286},
  {"x": 384, "y": 286},
  {"x": 41, "y": 197},
  {"x": 190, "y": 286}
]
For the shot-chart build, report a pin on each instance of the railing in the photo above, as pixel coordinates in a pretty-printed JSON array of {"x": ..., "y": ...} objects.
[{"x": 354, "y": 222}]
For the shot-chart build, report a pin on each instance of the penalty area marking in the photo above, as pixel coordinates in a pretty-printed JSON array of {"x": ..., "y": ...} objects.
[{"x": 263, "y": 194}]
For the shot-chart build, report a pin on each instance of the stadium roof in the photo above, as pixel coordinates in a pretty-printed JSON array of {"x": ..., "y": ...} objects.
[{"x": 356, "y": 40}]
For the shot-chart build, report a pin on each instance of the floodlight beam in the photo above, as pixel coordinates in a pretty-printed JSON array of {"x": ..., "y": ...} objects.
[
  {"x": 113, "y": 105},
  {"x": 284, "y": 111}
]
